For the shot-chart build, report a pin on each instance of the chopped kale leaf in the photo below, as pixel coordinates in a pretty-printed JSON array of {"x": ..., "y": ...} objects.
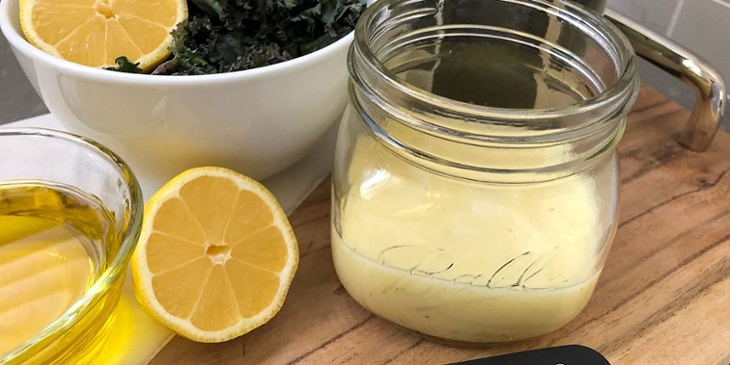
[
  {"x": 233, "y": 35},
  {"x": 125, "y": 65}
]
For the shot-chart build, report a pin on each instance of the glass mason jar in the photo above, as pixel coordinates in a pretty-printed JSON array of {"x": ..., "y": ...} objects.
[{"x": 475, "y": 183}]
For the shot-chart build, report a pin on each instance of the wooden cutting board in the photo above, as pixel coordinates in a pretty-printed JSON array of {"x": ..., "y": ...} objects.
[{"x": 663, "y": 297}]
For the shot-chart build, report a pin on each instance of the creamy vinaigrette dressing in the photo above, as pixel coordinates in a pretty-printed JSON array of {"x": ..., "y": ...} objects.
[{"x": 464, "y": 261}]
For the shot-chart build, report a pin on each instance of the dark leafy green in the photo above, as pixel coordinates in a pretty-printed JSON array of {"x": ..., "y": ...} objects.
[
  {"x": 233, "y": 35},
  {"x": 125, "y": 65}
]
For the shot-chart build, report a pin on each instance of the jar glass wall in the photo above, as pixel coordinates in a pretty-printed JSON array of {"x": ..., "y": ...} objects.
[{"x": 475, "y": 183}]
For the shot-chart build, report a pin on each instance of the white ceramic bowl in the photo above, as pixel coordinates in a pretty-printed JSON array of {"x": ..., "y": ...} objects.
[{"x": 257, "y": 121}]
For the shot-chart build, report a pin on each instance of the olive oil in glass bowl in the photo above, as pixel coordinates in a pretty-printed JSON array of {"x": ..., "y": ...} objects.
[{"x": 70, "y": 215}]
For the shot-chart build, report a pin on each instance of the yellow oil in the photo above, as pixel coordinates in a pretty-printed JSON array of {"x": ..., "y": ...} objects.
[{"x": 55, "y": 242}]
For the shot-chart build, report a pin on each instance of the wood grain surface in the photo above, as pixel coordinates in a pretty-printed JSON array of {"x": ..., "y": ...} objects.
[{"x": 663, "y": 297}]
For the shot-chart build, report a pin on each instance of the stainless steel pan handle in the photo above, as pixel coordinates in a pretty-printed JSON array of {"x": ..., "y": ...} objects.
[{"x": 677, "y": 61}]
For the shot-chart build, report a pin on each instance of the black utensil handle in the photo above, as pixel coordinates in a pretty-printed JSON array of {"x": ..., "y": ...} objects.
[{"x": 563, "y": 355}]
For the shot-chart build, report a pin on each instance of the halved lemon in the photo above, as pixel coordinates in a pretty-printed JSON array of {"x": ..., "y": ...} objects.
[
  {"x": 96, "y": 32},
  {"x": 216, "y": 255}
]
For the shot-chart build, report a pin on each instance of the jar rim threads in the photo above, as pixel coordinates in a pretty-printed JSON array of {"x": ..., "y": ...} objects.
[{"x": 611, "y": 98}]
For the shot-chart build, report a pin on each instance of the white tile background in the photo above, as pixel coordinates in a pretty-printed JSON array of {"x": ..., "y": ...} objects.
[{"x": 702, "y": 26}]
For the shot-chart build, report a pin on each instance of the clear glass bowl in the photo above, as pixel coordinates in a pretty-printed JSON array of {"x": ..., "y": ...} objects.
[{"x": 87, "y": 195}]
